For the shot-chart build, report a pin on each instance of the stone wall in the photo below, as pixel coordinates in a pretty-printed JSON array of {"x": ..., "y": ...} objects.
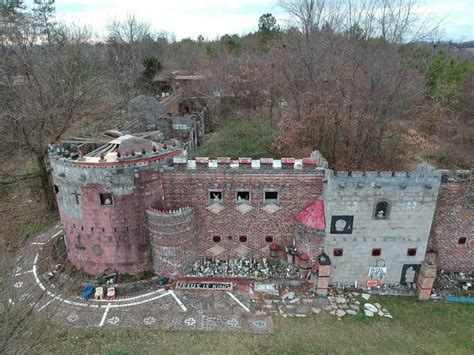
[
  {"x": 379, "y": 242},
  {"x": 453, "y": 224},
  {"x": 229, "y": 228},
  {"x": 110, "y": 237},
  {"x": 173, "y": 240}
]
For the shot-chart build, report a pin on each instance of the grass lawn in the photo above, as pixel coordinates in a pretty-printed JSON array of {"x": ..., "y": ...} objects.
[
  {"x": 417, "y": 328},
  {"x": 239, "y": 138}
]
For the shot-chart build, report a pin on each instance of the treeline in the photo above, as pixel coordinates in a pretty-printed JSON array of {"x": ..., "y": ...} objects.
[{"x": 357, "y": 79}]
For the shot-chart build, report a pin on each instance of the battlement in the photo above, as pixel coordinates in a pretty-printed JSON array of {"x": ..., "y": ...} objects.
[
  {"x": 424, "y": 174},
  {"x": 456, "y": 176},
  {"x": 170, "y": 213},
  {"x": 221, "y": 163}
]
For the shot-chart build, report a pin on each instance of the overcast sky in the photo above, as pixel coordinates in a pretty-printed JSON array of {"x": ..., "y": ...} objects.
[{"x": 212, "y": 18}]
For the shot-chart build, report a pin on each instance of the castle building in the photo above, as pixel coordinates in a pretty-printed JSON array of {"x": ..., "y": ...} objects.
[{"x": 135, "y": 205}]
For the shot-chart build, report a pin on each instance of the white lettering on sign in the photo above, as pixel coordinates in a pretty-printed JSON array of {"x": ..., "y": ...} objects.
[
  {"x": 188, "y": 285},
  {"x": 377, "y": 271}
]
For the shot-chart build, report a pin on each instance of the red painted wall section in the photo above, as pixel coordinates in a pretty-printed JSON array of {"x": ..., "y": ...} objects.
[{"x": 113, "y": 238}]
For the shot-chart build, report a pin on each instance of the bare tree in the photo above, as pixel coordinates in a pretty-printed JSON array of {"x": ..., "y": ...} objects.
[
  {"x": 130, "y": 44},
  {"x": 395, "y": 21},
  {"x": 45, "y": 87}
]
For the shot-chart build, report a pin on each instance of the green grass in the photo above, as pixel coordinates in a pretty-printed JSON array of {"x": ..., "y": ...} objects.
[
  {"x": 250, "y": 137},
  {"x": 417, "y": 328}
]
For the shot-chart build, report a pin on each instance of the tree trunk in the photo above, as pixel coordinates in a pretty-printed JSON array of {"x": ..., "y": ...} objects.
[{"x": 46, "y": 185}]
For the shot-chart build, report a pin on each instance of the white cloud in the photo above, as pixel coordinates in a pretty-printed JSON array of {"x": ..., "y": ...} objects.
[{"x": 210, "y": 18}]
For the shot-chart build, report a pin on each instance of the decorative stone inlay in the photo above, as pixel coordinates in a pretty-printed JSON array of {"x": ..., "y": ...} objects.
[
  {"x": 149, "y": 320},
  {"x": 113, "y": 320},
  {"x": 271, "y": 208},
  {"x": 215, "y": 250},
  {"x": 190, "y": 321},
  {"x": 260, "y": 324},
  {"x": 73, "y": 317},
  {"x": 242, "y": 250},
  {"x": 18, "y": 284},
  {"x": 244, "y": 208},
  {"x": 233, "y": 323},
  {"x": 215, "y": 208}
]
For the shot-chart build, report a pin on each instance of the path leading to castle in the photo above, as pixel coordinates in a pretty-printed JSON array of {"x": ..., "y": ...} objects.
[{"x": 156, "y": 308}]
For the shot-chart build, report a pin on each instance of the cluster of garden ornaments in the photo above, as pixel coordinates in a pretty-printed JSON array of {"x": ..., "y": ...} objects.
[
  {"x": 243, "y": 267},
  {"x": 291, "y": 304}
]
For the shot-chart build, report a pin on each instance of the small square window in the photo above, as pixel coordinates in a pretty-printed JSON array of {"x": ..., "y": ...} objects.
[
  {"x": 243, "y": 239},
  {"x": 216, "y": 239},
  {"x": 411, "y": 251},
  {"x": 215, "y": 196},
  {"x": 106, "y": 199},
  {"x": 376, "y": 252},
  {"x": 56, "y": 189},
  {"x": 271, "y": 197},
  {"x": 243, "y": 196},
  {"x": 269, "y": 239},
  {"x": 462, "y": 240},
  {"x": 337, "y": 252}
]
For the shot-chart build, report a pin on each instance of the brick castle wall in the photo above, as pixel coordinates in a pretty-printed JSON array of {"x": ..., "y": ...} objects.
[
  {"x": 453, "y": 227},
  {"x": 232, "y": 229}
]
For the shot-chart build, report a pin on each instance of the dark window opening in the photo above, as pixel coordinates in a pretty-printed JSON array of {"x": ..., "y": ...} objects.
[
  {"x": 215, "y": 196},
  {"x": 82, "y": 228},
  {"x": 56, "y": 189},
  {"x": 271, "y": 197},
  {"x": 92, "y": 229},
  {"x": 411, "y": 251},
  {"x": 103, "y": 229},
  {"x": 115, "y": 229},
  {"x": 216, "y": 239},
  {"x": 269, "y": 239},
  {"x": 229, "y": 237},
  {"x": 337, "y": 252},
  {"x": 381, "y": 210},
  {"x": 243, "y": 196},
  {"x": 106, "y": 199},
  {"x": 462, "y": 240},
  {"x": 376, "y": 252},
  {"x": 243, "y": 239}
]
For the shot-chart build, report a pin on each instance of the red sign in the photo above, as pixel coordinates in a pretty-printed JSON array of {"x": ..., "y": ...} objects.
[{"x": 372, "y": 283}]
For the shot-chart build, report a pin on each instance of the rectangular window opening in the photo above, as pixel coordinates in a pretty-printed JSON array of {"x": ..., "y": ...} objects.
[
  {"x": 411, "y": 251},
  {"x": 106, "y": 199},
  {"x": 462, "y": 240},
  {"x": 376, "y": 252},
  {"x": 337, "y": 252},
  {"x": 271, "y": 197},
  {"x": 215, "y": 196},
  {"x": 243, "y": 196},
  {"x": 56, "y": 189}
]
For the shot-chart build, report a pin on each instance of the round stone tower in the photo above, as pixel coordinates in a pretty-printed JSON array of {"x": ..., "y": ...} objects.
[
  {"x": 173, "y": 240},
  {"x": 102, "y": 198}
]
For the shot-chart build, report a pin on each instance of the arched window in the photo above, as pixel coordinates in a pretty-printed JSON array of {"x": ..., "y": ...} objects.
[{"x": 382, "y": 210}]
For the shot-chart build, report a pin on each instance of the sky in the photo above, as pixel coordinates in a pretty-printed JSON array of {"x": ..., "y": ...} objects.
[{"x": 213, "y": 18}]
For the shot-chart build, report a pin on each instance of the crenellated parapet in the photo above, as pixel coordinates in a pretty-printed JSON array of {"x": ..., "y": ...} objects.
[{"x": 247, "y": 164}]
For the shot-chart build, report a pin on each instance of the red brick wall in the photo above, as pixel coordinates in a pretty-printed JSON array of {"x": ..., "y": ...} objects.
[
  {"x": 190, "y": 188},
  {"x": 454, "y": 219}
]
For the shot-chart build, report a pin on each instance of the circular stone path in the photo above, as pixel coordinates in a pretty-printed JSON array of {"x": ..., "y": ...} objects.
[{"x": 161, "y": 309}]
